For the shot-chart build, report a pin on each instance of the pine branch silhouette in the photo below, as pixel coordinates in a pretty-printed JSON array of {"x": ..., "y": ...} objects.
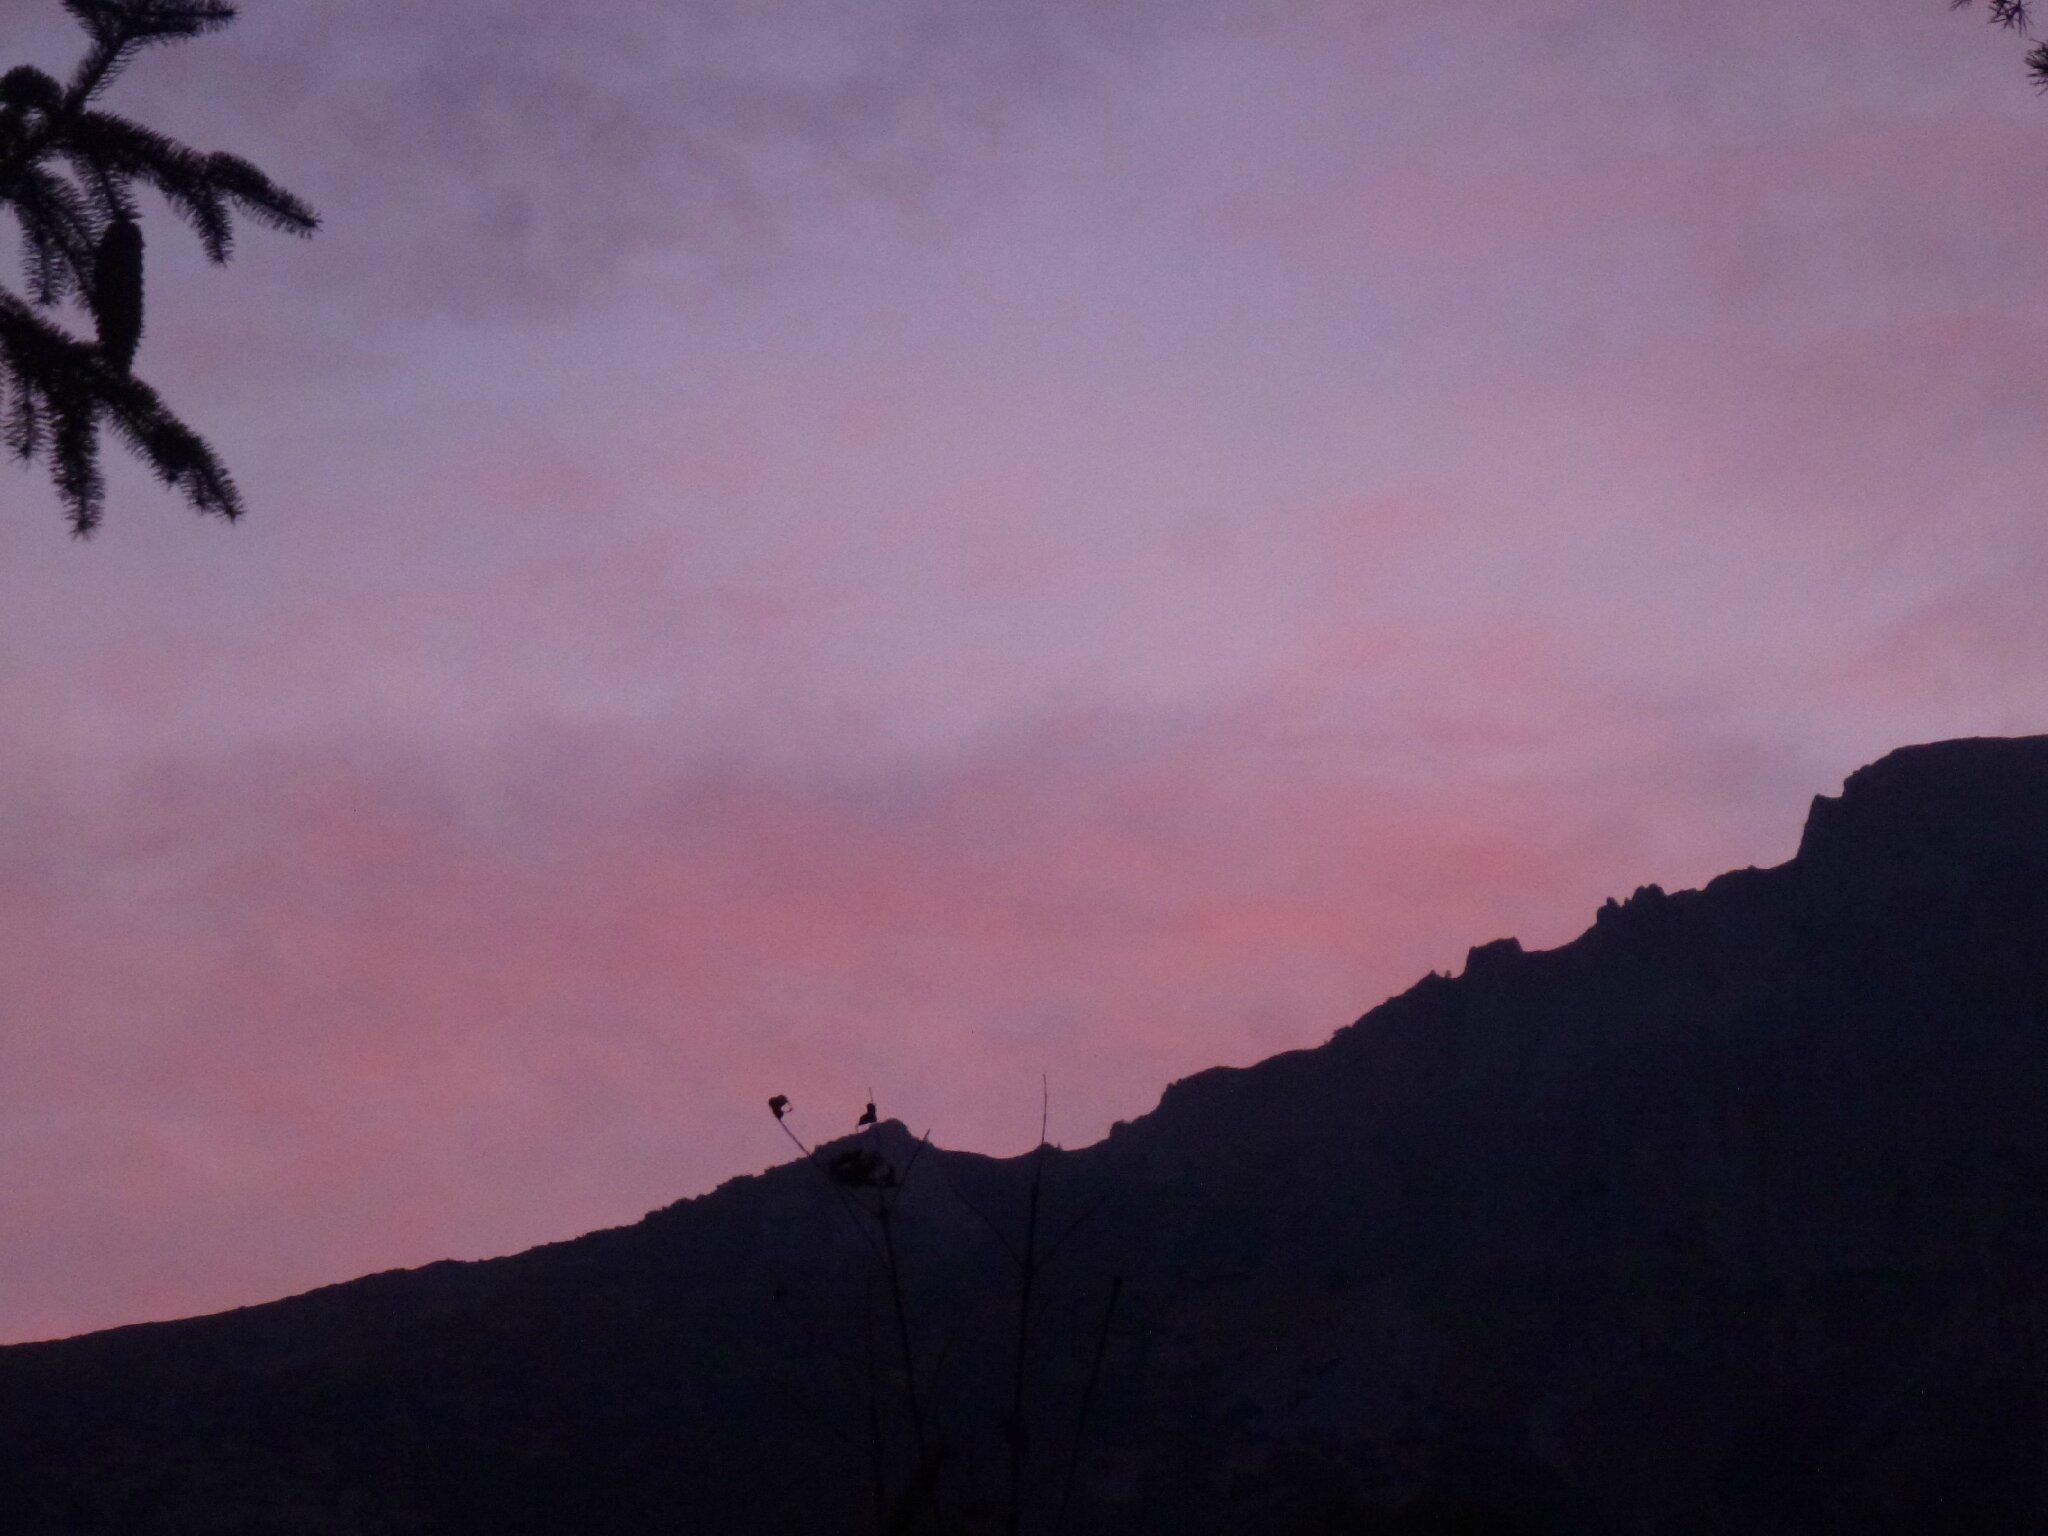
[
  {"x": 69, "y": 173},
  {"x": 2016, "y": 16}
]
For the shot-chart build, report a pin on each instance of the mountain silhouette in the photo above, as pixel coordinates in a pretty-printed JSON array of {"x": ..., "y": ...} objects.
[{"x": 1728, "y": 1216}]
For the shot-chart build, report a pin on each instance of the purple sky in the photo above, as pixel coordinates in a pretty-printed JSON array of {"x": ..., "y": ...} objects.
[{"x": 920, "y": 544}]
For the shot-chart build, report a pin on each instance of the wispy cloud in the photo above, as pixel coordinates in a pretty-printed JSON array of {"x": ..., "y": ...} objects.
[{"x": 483, "y": 159}]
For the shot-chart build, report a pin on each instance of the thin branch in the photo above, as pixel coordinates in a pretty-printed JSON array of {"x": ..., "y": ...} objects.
[
  {"x": 858, "y": 1210},
  {"x": 1076, "y": 1224},
  {"x": 1116, "y": 1289},
  {"x": 995, "y": 1231},
  {"x": 916, "y": 1152},
  {"x": 1016, "y": 1434},
  {"x": 877, "y": 1470},
  {"x": 911, "y": 1399}
]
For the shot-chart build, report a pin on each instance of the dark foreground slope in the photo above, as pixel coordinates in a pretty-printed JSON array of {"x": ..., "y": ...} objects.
[{"x": 1731, "y": 1216}]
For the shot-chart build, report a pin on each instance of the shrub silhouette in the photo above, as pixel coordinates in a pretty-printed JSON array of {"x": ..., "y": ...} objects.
[{"x": 870, "y": 1186}]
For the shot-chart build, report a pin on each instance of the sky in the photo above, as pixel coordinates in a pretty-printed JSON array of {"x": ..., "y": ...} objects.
[{"x": 925, "y": 545}]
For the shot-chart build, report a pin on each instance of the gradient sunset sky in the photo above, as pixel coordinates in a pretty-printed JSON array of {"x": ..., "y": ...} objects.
[{"x": 925, "y": 543}]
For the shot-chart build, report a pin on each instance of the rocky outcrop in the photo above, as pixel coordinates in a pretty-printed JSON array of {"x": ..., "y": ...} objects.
[{"x": 1729, "y": 1216}]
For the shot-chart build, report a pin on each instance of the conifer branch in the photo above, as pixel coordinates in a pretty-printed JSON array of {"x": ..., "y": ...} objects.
[
  {"x": 67, "y": 175},
  {"x": 2016, "y": 16}
]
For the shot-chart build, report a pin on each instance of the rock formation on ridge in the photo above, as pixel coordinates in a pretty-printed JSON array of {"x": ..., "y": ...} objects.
[{"x": 1728, "y": 1216}]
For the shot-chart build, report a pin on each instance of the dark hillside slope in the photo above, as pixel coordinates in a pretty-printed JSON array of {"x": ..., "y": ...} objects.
[{"x": 1729, "y": 1216}]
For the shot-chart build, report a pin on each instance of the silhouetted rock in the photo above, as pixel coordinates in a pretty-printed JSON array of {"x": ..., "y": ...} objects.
[{"x": 1730, "y": 1216}]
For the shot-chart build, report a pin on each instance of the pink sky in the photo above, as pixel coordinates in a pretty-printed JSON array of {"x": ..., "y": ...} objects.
[{"x": 934, "y": 545}]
